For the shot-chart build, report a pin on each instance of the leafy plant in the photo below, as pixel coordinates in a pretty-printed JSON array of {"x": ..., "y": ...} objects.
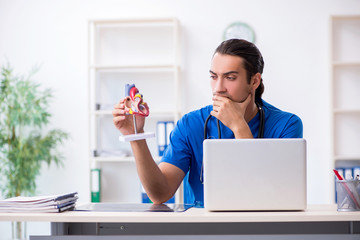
[{"x": 23, "y": 145}]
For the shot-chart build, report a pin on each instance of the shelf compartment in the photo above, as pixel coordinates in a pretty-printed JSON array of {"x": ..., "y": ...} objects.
[
  {"x": 346, "y": 36},
  {"x": 141, "y": 45},
  {"x": 119, "y": 183},
  {"x": 346, "y": 87},
  {"x": 107, "y": 137},
  {"x": 346, "y": 135},
  {"x": 158, "y": 88}
]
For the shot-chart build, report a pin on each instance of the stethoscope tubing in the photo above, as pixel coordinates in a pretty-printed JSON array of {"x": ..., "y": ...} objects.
[{"x": 260, "y": 133}]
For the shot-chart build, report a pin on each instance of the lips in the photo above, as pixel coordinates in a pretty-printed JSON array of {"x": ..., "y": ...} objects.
[{"x": 134, "y": 102}]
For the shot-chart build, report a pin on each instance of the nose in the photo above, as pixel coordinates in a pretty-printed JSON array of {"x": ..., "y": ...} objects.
[{"x": 219, "y": 86}]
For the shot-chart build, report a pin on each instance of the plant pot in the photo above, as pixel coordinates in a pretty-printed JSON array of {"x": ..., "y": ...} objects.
[{"x": 18, "y": 230}]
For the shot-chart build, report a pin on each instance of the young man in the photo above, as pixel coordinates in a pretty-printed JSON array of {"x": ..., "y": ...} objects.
[{"x": 236, "y": 82}]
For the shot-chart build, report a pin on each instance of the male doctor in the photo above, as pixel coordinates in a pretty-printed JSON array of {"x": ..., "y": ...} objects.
[{"x": 237, "y": 109}]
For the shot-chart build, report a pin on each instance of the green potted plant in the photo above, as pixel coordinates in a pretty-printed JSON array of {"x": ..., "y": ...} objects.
[{"x": 24, "y": 145}]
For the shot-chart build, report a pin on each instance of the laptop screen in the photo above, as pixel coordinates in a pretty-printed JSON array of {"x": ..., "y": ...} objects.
[{"x": 254, "y": 174}]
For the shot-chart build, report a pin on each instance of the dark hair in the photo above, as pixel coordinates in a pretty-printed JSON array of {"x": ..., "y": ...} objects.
[{"x": 253, "y": 60}]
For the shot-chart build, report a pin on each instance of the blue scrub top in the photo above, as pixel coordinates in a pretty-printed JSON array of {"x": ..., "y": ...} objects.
[{"x": 186, "y": 142}]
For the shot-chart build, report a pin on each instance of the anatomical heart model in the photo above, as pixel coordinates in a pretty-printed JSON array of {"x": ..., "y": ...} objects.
[
  {"x": 134, "y": 105},
  {"x": 134, "y": 101}
]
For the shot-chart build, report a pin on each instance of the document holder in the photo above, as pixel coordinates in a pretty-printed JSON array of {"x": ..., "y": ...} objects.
[{"x": 348, "y": 195}]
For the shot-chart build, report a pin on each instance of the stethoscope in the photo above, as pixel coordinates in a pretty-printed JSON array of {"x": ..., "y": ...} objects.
[{"x": 260, "y": 133}]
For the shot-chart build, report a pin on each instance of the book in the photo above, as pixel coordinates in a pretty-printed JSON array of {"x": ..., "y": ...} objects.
[{"x": 53, "y": 203}]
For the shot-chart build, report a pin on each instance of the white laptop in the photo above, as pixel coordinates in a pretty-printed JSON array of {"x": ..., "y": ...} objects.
[{"x": 254, "y": 174}]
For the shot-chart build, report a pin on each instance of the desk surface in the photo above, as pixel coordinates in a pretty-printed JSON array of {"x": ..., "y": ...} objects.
[{"x": 314, "y": 213}]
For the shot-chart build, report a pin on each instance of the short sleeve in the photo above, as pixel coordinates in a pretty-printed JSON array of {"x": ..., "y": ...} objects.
[
  {"x": 293, "y": 128},
  {"x": 178, "y": 152}
]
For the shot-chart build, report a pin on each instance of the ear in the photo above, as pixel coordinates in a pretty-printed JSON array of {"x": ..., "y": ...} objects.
[{"x": 255, "y": 81}]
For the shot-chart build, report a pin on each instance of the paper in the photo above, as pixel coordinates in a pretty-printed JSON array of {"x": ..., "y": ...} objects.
[{"x": 53, "y": 203}]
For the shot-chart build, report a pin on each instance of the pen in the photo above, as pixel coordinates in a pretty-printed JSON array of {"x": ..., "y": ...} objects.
[
  {"x": 346, "y": 188},
  {"x": 338, "y": 175}
]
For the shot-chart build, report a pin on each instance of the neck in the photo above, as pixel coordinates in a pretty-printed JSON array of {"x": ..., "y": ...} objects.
[{"x": 251, "y": 112}]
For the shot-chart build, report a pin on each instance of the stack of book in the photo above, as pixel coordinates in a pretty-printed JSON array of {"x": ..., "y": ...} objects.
[{"x": 55, "y": 203}]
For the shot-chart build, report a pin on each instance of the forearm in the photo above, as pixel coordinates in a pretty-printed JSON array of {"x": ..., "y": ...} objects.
[{"x": 151, "y": 177}]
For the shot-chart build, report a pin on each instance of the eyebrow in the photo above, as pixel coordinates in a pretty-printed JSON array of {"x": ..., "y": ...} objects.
[{"x": 227, "y": 73}]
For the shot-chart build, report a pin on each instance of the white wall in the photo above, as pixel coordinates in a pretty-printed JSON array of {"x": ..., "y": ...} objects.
[{"x": 292, "y": 35}]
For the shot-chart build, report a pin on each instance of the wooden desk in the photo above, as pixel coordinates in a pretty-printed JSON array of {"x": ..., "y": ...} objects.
[{"x": 317, "y": 220}]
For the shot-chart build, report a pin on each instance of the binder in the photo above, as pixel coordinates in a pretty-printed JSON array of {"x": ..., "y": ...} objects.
[
  {"x": 341, "y": 172},
  {"x": 164, "y": 129},
  {"x": 161, "y": 137},
  {"x": 95, "y": 184},
  {"x": 356, "y": 172},
  {"x": 348, "y": 173},
  {"x": 169, "y": 128}
]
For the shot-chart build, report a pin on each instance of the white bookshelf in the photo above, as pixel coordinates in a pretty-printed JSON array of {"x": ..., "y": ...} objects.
[
  {"x": 345, "y": 73},
  {"x": 140, "y": 51},
  {"x": 345, "y": 88}
]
